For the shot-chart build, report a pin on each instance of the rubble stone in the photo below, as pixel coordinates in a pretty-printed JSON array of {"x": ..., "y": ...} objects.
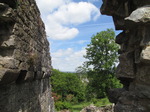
[
  {"x": 25, "y": 63},
  {"x": 133, "y": 17}
]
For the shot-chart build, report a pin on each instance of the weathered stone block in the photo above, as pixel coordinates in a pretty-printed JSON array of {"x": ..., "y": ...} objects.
[
  {"x": 8, "y": 76},
  {"x": 9, "y": 63},
  {"x": 121, "y": 38},
  {"x": 6, "y": 12},
  {"x": 145, "y": 33},
  {"x": 114, "y": 94},
  {"x": 29, "y": 76},
  {"x": 137, "y": 55},
  {"x": 39, "y": 75},
  {"x": 143, "y": 74},
  {"x": 24, "y": 52},
  {"x": 139, "y": 16},
  {"x": 126, "y": 66},
  {"x": 145, "y": 55},
  {"x": 133, "y": 17},
  {"x": 119, "y": 22}
]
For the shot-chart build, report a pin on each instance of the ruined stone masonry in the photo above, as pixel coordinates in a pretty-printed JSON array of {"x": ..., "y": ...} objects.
[
  {"x": 133, "y": 18},
  {"x": 24, "y": 59}
]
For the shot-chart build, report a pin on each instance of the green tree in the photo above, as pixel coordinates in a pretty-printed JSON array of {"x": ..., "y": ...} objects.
[
  {"x": 65, "y": 84},
  {"x": 102, "y": 57}
]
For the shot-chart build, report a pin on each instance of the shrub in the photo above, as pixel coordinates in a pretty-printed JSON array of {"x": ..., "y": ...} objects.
[
  {"x": 62, "y": 105},
  {"x": 69, "y": 97},
  {"x": 67, "y": 105},
  {"x": 56, "y": 97},
  {"x": 59, "y": 105},
  {"x": 102, "y": 102},
  {"x": 66, "y": 85},
  {"x": 75, "y": 100},
  {"x": 94, "y": 100}
]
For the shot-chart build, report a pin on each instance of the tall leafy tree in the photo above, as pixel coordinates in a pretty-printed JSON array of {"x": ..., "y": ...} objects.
[
  {"x": 102, "y": 51},
  {"x": 102, "y": 57}
]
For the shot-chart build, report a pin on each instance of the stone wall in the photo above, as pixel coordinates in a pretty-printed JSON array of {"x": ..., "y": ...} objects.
[
  {"x": 24, "y": 58},
  {"x": 133, "y": 18}
]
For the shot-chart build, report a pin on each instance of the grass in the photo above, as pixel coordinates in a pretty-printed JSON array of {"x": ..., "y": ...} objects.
[
  {"x": 102, "y": 102},
  {"x": 96, "y": 102},
  {"x": 80, "y": 106}
]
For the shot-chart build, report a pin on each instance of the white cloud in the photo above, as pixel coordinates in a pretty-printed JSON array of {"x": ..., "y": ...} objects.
[
  {"x": 58, "y": 32},
  {"x": 75, "y": 13},
  {"x": 93, "y": 0},
  {"x": 62, "y": 15},
  {"x": 47, "y": 6},
  {"x": 67, "y": 60},
  {"x": 62, "y": 53}
]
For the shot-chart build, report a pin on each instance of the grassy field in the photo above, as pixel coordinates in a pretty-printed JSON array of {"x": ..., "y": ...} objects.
[{"x": 96, "y": 102}]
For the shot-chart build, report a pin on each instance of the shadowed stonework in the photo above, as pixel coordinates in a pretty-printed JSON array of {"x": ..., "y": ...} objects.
[
  {"x": 133, "y": 17},
  {"x": 25, "y": 62}
]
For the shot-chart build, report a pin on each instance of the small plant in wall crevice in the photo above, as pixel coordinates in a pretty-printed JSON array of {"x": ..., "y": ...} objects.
[{"x": 32, "y": 58}]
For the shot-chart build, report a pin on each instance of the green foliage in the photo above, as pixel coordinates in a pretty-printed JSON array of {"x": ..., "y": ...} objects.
[
  {"x": 59, "y": 105},
  {"x": 102, "y": 102},
  {"x": 102, "y": 56},
  {"x": 69, "y": 97},
  {"x": 56, "y": 97},
  {"x": 67, "y": 105},
  {"x": 94, "y": 100},
  {"x": 62, "y": 105},
  {"x": 81, "y": 72},
  {"x": 102, "y": 51},
  {"x": 67, "y": 89},
  {"x": 65, "y": 84}
]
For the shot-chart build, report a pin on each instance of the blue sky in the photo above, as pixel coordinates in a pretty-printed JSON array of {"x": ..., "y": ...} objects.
[{"x": 70, "y": 24}]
